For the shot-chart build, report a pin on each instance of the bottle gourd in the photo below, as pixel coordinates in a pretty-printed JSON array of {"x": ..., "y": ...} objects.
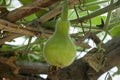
[{"x": 59, "y": 50}]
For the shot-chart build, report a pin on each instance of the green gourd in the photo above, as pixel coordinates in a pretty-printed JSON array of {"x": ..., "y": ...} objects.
[{"x": 59, "y": 50}]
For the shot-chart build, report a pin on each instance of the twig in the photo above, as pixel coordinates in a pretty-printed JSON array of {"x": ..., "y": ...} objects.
[
  {"x": 107, "y": 22},
  {"x": 17, "y": 30},
  {"x": 94, "y": 37},
  {"x": 26, "y": 10},
  {"x": 12, "y": 25},
  {"x": 28, "y": 45},
  {"x": 33, "y": 68},
  {"x": 97, "y": 13}
]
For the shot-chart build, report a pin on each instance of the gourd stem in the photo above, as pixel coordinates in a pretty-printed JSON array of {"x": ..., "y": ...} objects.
[{"x": 64, "y": 15}]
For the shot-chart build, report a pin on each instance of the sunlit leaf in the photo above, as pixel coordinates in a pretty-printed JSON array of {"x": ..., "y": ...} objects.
[
  {"x": 30, "y": 17},
  {"x": 92, "y": 8},
  {"x": 115, "y": 31},
  {"x": 91, "y": 5}
]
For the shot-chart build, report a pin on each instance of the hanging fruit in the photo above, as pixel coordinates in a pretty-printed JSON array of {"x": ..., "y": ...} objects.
[{"x": 59, "y": 50}]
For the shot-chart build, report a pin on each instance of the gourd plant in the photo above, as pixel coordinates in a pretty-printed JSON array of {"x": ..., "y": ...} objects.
[{"x": 59, "y": 50}]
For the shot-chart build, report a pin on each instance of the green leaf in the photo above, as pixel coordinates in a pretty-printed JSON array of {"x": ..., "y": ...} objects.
[
  {"x": 50, "y": 24},
  {"x": 24, "y": 2},
  {"x": 91, "y": 5},
  {"x": 31, "y": 17},
  {"x": 97, "y": 20},
  {"x": 6, "y": 47},
  {"x": 1, "y": 2},
  {"x": 71, "y": 14},
  {"x": 41, "y": 12},
  {"x": 92, "y": 8},
  {"x": 115, "y": 31}
]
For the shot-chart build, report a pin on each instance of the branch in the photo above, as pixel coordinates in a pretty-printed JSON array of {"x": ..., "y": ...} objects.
[
  {"x": 7, "y": 68},
  {"x": 7, "y": 74},
  {"x": 55, "y": 12},
  {"x": 16, "y": 31},
  {"x": 28, "y": 78},
  {"x": 26, "y": 10},
  {"x": 94, "y": 37},
  {"x": 9, "y": 38},
  {"x": 32, "y": 68},
  {"x": 20, "y": 29},
  {"x": 98, "y": 12}
]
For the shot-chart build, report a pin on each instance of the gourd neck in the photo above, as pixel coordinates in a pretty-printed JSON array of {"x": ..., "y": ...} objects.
[{"x": 62, "y": 27}]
